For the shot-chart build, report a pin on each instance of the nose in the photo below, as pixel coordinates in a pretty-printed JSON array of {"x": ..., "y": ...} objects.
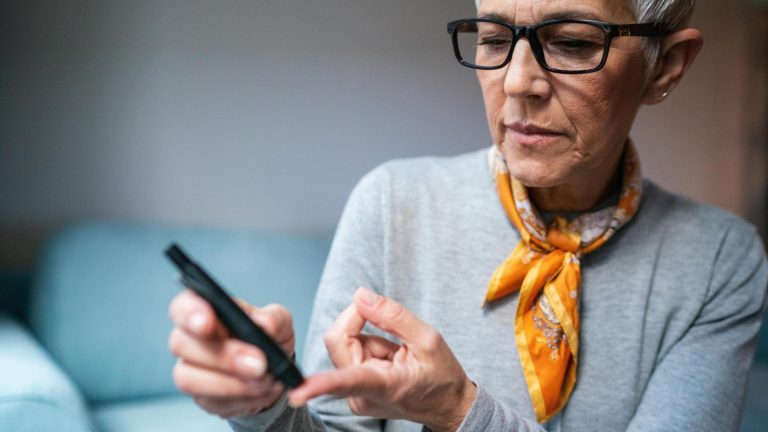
[{"x": 525, "y": 78}]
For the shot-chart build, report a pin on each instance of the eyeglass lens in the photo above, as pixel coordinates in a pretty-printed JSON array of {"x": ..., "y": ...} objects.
[{"x": 565, "y": 46}]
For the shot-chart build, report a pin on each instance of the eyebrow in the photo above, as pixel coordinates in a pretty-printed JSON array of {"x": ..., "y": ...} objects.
[{"x": 559, "y": 15}]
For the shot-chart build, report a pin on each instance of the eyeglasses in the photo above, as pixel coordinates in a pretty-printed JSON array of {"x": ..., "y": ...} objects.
[{"x": 566, "y": 46}]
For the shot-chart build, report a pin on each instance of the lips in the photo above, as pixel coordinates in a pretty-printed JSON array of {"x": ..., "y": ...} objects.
[{"x": 529, "y": 134}]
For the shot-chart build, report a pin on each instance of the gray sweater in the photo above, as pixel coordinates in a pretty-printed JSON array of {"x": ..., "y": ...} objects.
[{"x": 670, "y": 306}]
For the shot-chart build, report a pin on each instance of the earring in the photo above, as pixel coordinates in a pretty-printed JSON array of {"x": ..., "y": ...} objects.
[{"x": 664, "y": 96}]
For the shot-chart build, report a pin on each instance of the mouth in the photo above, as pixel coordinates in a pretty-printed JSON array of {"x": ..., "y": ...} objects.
[{"x": 529, "y": 134}]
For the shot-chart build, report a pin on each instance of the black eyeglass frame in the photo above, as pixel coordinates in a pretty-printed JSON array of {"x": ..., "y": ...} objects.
[{"x": 610, "y": 31}]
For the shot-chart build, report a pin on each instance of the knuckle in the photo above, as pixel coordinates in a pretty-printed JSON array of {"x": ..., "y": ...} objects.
[
  {"x": 329, "y": 338},
  {"x": 277, "y": 309},
  {"x": 175, "y": 342},
  {"x": 270, "y": 324},
  {"x": 176, "y": 307},
  {"x": 285, "y": 316},
  {"x": 432, "y": 340},
  {"x": 398, "y": 396},
  {"x": 209, "y": 405},
  {"x": 394, "y": 310},
  {"x": 181, "y": 378},
  {"x": 358, "y": 406},
  {"x": 279, "y": 316},
  {"x": 202, "y": 402},
  {"x": 172, "y": 309}
]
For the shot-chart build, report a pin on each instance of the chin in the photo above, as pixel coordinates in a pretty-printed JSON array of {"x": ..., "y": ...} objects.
[
  {"x": 536, "y": 168},
  {"x": 535, "y": 173},
  {"x": 535, "y": 177}
]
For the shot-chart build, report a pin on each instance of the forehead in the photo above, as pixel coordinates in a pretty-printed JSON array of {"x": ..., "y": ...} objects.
[{"x": 523, "y": 12}]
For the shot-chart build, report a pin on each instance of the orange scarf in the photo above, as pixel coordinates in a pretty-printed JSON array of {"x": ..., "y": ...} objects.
[{"x": 545, "y": 269}]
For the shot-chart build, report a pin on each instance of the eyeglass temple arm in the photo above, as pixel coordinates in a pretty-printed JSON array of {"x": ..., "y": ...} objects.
[
  {"x": 645, "y": 29},
  {"x": 470, "y": 27}
]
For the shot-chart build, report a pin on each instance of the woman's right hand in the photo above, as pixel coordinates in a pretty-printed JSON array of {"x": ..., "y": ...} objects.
[{"x": 225, "y": 376}]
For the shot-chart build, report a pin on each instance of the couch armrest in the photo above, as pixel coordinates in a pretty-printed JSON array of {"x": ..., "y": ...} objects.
[
  {"x": 35, "y": 395},
  {"x": 756, "y": 406}
]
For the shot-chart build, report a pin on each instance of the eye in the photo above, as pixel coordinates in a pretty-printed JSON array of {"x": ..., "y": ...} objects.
[
  {"x": 493, "y": 41},
  {"x": 494, "y": 46},
  {"x": 570, "y": 44},
  {"x": 571, "y": 39}
]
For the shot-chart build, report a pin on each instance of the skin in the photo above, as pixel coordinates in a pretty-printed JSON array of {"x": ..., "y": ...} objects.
[
  {"x": 590, "y": 115},
  {"x": 571, "y": 167},
  {"x": 225, "y": 376}
]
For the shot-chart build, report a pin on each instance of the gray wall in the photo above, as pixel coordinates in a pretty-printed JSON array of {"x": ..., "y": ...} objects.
[
  {"x": 264, "y": 114},
  {"x": 254, "y": 114}
]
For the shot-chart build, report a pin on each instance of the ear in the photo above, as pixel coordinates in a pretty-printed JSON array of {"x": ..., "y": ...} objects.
[{"x": 678, "y": 50}]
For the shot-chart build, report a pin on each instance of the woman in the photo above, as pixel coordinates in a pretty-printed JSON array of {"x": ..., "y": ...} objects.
[{"x": 608, "y": 303}]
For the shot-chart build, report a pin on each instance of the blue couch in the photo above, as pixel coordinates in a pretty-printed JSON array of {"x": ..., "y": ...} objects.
[
  {"x": 92, "y": 352},
  {"x": 85, "y": 349}
]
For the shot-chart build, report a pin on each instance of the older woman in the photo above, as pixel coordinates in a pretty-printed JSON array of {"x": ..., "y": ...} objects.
[{"x": 608, "y": 303}]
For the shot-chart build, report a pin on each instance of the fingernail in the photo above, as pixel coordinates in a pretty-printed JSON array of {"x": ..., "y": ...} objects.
[
  {"x": 368, "y": 297},
  {"x": 196, "y": 322},
  {"x": 251, "y": 365}
]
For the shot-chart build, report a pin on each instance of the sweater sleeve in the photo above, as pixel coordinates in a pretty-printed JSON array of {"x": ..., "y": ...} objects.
[
  {"x": 488, "y": 414},
  {"x": 355, "y": 260},
  {"x": 699, "y": 384}
]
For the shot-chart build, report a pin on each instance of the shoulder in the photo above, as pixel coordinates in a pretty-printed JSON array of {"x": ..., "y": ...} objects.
[
  {"x": 681, "y": 216},
  {"x": 433, "y": 176},
  {"x": 715, "y": 241},
  {"x": 419, "y": 183},
  {"x": 431, "y": 169}
]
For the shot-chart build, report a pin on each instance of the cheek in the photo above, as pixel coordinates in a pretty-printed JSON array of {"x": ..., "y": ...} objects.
[
  {"x": 622, "y": 89},
  {"x": 602, "y": 106},
  {"x": 492, "y": 88},
  {"x": 584, "y": 103}
]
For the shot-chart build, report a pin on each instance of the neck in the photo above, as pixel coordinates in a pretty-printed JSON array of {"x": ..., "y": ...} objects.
[{"x": 581, "y": 195}]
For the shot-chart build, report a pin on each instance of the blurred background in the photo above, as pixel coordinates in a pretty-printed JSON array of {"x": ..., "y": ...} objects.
[{"x": 262, "y": 115}]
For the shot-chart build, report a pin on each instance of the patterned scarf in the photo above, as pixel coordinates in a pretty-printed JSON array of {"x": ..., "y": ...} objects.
[{"x": 545, "y": 269}]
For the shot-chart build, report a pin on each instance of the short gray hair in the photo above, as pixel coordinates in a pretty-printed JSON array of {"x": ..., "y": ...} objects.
[{"x": 676, "y": 14}]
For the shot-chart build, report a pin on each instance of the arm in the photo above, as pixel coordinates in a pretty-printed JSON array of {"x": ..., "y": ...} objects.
[
  {"x": 699, "y": 383},
  {"x": 488, "y": 414},
  {"x": 418, "y": 379},
  {"x": 355, "y": 259},
  {"x": 280, "y": 417}
]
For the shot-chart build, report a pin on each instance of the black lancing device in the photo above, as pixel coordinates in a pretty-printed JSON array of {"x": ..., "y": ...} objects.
[{"x": 234, "y": 318}]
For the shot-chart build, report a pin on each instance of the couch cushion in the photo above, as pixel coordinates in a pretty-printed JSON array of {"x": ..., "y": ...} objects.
[
  {"x": 101, "y": 293},
  {"x": 756, "y": 408},
  {"x": 762, "y": 343},
  {"x": 34, "y": 393},
  {"x": 174, "y": 413}
]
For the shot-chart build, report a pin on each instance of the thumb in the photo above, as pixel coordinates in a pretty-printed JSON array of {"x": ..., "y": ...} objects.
[{"x": 392, "y": 317}]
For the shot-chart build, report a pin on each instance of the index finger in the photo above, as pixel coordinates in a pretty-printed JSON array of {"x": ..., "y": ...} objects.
[
  {"x": 363, "y": 381},
  {"x": 394, "y": 318},
  {"x": 339, "y": 340},
  {"x": 193, "y": 314}
]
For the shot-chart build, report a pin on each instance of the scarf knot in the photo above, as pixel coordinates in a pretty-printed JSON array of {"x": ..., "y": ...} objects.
[{"x": 545, "y": 269}]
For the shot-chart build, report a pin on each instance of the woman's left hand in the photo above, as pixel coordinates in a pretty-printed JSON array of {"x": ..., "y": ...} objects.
[{"x": 419, "y": 380}]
